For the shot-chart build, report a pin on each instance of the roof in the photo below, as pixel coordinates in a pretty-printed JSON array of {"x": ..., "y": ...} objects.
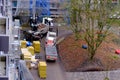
[{"x": 50, "y": 38}]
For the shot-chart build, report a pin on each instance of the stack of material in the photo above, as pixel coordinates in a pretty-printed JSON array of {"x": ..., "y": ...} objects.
[
  {"x": 31, "y": 49},
  {"x": 33, "y": 59},
  {"x": 23, "y": 43},
  {"x": 26, "y": 56},
  {"x": 42, "y": 68},
  {"x": 36, "y": 45}
]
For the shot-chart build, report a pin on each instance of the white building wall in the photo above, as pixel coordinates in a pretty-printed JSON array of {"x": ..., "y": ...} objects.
[{"x": 6, "y": 13}]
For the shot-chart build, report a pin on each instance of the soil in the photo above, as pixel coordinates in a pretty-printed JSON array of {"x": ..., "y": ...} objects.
[{"x": 75, "y": 58}]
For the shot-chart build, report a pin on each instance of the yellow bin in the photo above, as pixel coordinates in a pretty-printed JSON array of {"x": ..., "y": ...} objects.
[
  {"x": 42, "y": 69},
  {"x": 36, "y": 45},
  {"x": 42, "y": 74},
  {"x": 31, "y": 49},
  {"x": 42, "y": 66},
  {"x": 23, "y": 43}
]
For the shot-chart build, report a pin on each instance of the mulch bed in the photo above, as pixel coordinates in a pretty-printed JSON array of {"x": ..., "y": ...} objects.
[{"x": 75, "y": 58}]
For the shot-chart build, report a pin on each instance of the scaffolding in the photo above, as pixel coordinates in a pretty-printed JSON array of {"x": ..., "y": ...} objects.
[
  {"x": 45, "y": 7},
  {"x": 3, "y": 7},
  {"x": 22, "y": 8},
  {"x": 33, "y": 7}
]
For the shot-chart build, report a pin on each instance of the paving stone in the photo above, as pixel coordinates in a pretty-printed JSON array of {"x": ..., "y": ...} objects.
[{"x": 100, "y": 75}]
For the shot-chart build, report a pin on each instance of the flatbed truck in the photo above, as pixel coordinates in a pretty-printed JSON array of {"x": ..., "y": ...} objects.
[{"x": 51, "y": 53}]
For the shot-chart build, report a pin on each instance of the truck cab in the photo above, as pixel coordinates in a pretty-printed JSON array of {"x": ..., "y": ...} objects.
[{"x": 48, "y": 21}]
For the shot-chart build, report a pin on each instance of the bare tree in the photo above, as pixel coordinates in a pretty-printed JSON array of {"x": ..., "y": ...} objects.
[
  {"x": 74, "y": 10},
  {"x": 92, "y": 17}
]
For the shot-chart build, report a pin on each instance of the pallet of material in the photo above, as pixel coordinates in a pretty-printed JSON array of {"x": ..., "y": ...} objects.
[{"x": 26, "y": 55}]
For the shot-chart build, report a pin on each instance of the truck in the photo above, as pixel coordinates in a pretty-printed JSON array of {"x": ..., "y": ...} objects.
[
  {"x": 51, "y": 38},
  {"x": 42, "y": 28},
  {"x": 48, "y": 21},
  {"x": 51, "y": 53},
  {"x": 45, "y": 25},
  {"x": 38, "y": 29}
]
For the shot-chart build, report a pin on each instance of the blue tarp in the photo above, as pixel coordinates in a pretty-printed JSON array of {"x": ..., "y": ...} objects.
[{"x": 44, "y": 5}]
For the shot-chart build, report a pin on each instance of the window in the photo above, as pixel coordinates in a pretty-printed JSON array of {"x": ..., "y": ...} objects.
[
  {"x": 53, "y": 5},
  {"x": 14, "y": 3},
  {"x": 58, "y": 5}
]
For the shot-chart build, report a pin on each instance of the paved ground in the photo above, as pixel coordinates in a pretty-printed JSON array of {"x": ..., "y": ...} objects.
[
  {"x": 55, "y": 72},
  {"x": 99, "y": 75},
  {"x": 54, "y": 69}
]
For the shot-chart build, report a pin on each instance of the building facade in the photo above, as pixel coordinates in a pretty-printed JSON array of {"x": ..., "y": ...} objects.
[
  {"x": 5, "y": 32},
  {"x": 49, "y": 8},
  {"x": 55, "y": 8},
  {"x": 5, "y": 17}
]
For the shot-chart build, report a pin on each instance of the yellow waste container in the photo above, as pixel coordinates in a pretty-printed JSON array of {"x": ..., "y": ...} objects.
[
  {"x": 23, "y": 43},
  {"x": 42, "y": 68},
  {"x": 31, "y": 49},
  {"x": 43, "y": 74},
  {"x": 36, "y": 45}
]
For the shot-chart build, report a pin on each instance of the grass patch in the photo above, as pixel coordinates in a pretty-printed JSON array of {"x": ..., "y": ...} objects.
[{"x": 115, "y": 57}]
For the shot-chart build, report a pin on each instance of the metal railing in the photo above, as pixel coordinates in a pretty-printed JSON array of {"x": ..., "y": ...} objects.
[{"x": 24, "y": 72}]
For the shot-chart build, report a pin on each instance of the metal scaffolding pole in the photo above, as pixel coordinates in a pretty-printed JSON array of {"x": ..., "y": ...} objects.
[{"x": 34, "y": 9}]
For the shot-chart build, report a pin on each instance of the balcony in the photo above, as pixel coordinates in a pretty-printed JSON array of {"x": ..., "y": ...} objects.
[{"x": 2, "y": 19}]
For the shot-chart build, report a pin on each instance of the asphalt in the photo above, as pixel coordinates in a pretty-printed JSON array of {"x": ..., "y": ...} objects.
[
  {"x": 55, "y": 70},
  {"x": 98, "y": 75}
]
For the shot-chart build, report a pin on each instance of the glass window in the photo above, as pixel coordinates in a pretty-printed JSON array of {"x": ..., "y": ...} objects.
[
  {"x": 53, "y": 5},
  {"x": 14, "y": 3}
]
